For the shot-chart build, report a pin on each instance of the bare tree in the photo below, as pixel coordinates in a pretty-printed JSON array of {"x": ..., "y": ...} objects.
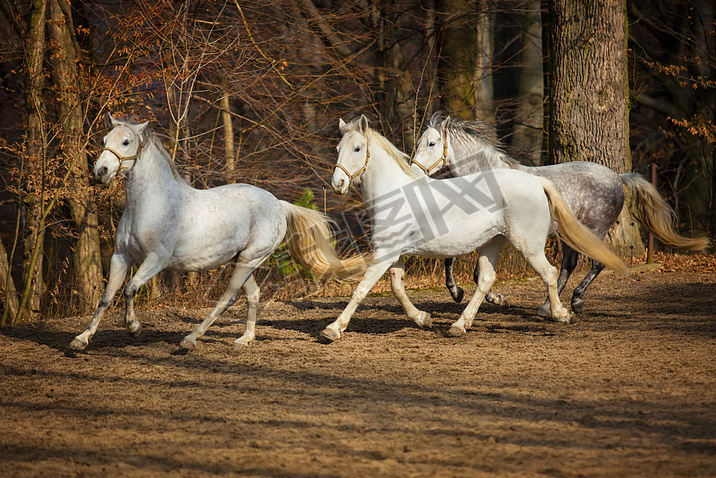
[
  {"x": 529, "y": 119},
  {"x": 71, "y": 114}
]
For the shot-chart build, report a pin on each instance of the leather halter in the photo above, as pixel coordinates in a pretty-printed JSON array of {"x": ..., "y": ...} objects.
[
  {"x": 351, "y": 177},
  {"x": 442, "y": 159},
  {"x": 122, "y": 159}
]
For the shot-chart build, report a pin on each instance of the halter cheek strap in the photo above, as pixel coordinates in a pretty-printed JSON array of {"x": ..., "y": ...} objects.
[
  {"x": 122, "y": 159},
  {"x": 441, "y": 159},
  {"x": 351, "y": 177}
]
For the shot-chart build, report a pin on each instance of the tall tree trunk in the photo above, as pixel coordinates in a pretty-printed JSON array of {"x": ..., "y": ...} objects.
[
  {"x": 8, "y": 293},
  {"x": 527, "y": 137},
  {"x": 589, "y": 94},
  {"x": 228, "y": 126},
  {"x": 466, "y": 55},
  {"x": 34, "y": 158},
  {"x": 483, "y": 90},
  {"x": 457, "y": 58},
  {"x": 87, "y": 260}
]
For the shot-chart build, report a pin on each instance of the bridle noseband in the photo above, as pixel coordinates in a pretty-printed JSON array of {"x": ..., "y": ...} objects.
[
  {"x": 442, "y": 159},
  {"x": 351, "y": 177},
  {"x": 122, "y": 159}
]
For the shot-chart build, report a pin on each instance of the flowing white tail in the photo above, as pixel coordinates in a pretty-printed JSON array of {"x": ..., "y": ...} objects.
[
  {"x": 576, "y": 235},
  {"x": 308, "y": 240}
]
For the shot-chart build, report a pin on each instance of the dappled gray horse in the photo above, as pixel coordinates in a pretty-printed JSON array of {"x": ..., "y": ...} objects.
[{"x": 593, "y": 192}]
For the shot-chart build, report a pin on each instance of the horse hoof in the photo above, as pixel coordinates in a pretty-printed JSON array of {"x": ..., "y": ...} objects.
[
  {"x": 456, "y": 331},
  {"x": 424, "y": 320},
  {"x": 240, "y": 345},
  {"x": 544, "y": 312},
  {"x": 188, "y": 344},
  {"x": 565, "y": 319},
  {"x": 78, "y": 344},
  {"x": 458, "y": 295},
  {"x": 577, "y": 305},
  {"x": 134, "y": 331},
  {"x": 497, "y": 299},
  {"x": 330, "y": 334}
]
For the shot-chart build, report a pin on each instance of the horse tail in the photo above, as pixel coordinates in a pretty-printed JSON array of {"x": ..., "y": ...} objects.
[
  {"x": 308, "y": 238},
  {"x": 577, "y": 235},
  {"x": 653, "y": 212}
]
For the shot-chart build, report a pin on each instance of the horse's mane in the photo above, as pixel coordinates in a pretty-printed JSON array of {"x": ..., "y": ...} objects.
[
  {"x": 397, "y": 155},
  {"x": 152, "y": 138},
  {"x": 476, "y": 132}
]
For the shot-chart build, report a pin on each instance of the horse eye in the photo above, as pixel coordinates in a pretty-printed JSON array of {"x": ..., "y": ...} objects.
[
  {"x": 126, "y": 142},
  {"x": 357, "y": 150},
  {"x": 431, "y": 144}
]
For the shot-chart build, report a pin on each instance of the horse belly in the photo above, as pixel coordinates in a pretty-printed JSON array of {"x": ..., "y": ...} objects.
[
  {"x": 218, "y": 238},
  {"x": 461, "y": 237}
]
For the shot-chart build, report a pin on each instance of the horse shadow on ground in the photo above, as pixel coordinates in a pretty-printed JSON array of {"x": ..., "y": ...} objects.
[
  {"x": 105, "y": 339},
  {"x": 372, "y": 318}
]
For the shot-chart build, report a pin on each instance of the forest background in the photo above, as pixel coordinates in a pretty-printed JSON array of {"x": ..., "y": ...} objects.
[{"x": 252, "y": 92}]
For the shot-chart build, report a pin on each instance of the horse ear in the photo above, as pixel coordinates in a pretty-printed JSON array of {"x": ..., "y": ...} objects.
[
  {"x": 446, "y": 122},
  {"x": 435, "y": 117},
  {"x": 363, "y": 123},
  {"x": 110, "y": 121},
  {"x": 142, "y": 126},
  {"x": 342, "y": 126}
]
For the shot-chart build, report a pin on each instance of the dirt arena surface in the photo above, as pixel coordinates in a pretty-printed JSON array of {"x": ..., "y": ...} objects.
[{"x": 629, "y": 389}]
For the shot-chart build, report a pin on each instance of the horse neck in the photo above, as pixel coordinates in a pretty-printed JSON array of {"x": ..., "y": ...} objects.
[
  {"x": 153, "y": 175},
  {"x": 473, "y": 157},
  {"x": 382, "y": 176}
]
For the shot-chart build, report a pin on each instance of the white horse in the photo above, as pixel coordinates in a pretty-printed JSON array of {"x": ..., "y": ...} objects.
[
  {"x": 168, "y": 224},
  {"x": 413, "y": 214}
]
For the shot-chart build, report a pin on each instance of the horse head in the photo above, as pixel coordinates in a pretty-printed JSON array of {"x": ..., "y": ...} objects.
[
  {"x": 122, "y": 148},
  {"x": 431, "y": 152},
  {"x": 353, "y": 154}
]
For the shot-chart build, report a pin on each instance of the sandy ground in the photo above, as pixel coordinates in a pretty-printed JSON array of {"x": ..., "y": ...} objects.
[{"x": 629, "y": 389}]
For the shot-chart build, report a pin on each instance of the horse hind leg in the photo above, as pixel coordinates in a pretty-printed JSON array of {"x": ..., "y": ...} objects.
[
  {"x": 569, "y": 263},
  {"x": 487, "y": 262},
  {"x": 252, "y": 291},
  {"x": 242, "y": 272},
  {"x": 491, "y": 297},
  {"x": 549, "y": 275},
  {"x": 578, "y": 295}
]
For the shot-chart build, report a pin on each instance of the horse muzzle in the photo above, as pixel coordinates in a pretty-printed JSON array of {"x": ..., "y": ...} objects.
[{"x": 340, "y": 184}]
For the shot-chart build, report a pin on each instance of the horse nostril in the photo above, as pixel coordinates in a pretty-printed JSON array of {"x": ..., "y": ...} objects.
[{"x": 100, "y": 172}]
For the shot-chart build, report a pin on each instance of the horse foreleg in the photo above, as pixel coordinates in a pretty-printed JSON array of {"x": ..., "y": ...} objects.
[
  {"x": 397, "y": 272},
  {"x": 569, "y": 263},
  {"x": 578, "y": 296},
  {"x": 487, "y": 262},
  {"x": 456, "y": 291},
  {"x": 374, "y": 272},
  {"x": 239, "y": 277},
  {"x": 118, "y": 267},
  {"x": 151, "y": 266}
]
